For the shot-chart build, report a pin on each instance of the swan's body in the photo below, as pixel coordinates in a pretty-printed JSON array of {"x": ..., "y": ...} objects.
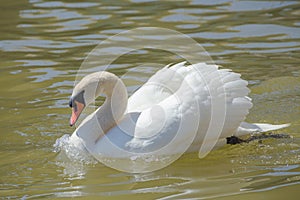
[{"x": 180, "y": 108}]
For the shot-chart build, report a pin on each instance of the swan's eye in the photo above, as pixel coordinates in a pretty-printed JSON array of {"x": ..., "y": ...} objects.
[
  {"x": 71, "y": 103},
  {"x": 78, "y": 98}
]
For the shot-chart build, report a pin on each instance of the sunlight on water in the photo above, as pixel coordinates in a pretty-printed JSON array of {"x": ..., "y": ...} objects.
[
  {"x": 74, "y": 158},
  {"x": 42, "y": 45},
  {"x": 71, "y": 151}
]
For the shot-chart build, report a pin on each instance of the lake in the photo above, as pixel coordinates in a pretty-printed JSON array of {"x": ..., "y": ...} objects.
[{"x": 44, "y": 43}]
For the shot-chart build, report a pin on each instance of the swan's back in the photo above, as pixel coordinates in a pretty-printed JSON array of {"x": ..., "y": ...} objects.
[
  {"x": 209, "y": 84},
  {"x": 161, "y": 85}
]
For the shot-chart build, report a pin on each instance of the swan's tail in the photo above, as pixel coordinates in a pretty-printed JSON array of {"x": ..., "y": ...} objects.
[{"x": 247, "y": 128}]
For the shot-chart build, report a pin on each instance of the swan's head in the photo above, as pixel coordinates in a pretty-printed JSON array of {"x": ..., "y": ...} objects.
[{"x": 86, "y": 91}]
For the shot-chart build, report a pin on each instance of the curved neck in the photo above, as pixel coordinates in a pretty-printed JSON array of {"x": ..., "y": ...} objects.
[
  {"x": 109, "y": 114},
  {"x": 114, "y": 106}
]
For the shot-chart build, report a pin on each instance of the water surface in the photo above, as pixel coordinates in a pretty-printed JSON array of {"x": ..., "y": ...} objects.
[{"x": 43, "y": 43}]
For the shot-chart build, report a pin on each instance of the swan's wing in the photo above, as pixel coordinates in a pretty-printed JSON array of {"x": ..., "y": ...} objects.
[
  {"x": 216, "y": 91},
  {"x": 216, "y": 99},
  {"x": 168, "y": 127},
  {"x": 223, "y": 107},
  {"x": 160, "y": 86}
]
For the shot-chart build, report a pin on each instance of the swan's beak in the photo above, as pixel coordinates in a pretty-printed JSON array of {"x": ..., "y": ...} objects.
[{"x": 76, "y": 111}]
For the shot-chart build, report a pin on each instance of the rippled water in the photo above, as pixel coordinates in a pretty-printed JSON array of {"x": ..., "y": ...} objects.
[{"x": 43, "y": 43}]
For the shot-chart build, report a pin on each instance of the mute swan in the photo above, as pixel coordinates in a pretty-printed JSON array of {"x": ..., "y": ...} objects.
[{"x": 174, "y": 108}]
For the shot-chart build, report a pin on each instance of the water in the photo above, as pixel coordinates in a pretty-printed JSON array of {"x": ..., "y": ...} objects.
[{"x": 42, "y": 45}]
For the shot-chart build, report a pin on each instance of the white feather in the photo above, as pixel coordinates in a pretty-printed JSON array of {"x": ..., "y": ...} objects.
[{"x": 184, "y": 107}]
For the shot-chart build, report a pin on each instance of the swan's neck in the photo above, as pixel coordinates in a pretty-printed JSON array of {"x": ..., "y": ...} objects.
[
  {"x": 108, "y": 115},
  {"x": 114, "y": 107}
]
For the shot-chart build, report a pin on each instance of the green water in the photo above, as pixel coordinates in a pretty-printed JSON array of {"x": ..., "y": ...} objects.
[{"x": 42, "y": 45}]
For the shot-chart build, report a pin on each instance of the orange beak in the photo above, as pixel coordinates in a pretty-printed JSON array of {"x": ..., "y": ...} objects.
[{"x": 76, "y": 111}]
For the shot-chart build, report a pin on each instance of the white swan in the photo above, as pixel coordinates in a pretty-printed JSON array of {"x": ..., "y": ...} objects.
[{"x": 180, "y": 107}]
